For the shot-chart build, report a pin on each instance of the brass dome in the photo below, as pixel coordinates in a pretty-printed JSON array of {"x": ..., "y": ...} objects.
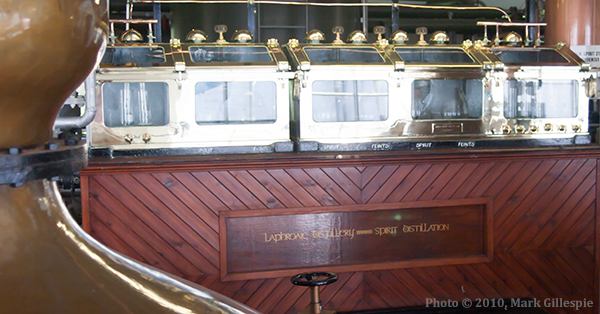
[
  {"x": 399, "y": 37},
  {"x": 314, "y": 36},
  {"x": 357, "y": 37},
  {"x": 242, "y": 36},
  {"x": 439, "y": 38},
  {"x": 196, "y": 36},
  {"x": 131, "y": 36},
  {"x": 513, "y": 39}
]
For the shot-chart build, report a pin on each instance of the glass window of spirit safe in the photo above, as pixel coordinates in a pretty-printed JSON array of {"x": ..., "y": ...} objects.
[
  {"x": 434, "y": 55},
  {"x": 521, "y": 56},
  {"x": 135, "y": 104},
  {"x": 347, "y": 101},
  {"x": 139, "y": 55},
  {"x": 236, "y": 102},
  {"x": 208, "y": 54},
  {"x": 343, "y": 55},
  {"x": 447, "y": 99},
  {"x": 540, "y": 99}
]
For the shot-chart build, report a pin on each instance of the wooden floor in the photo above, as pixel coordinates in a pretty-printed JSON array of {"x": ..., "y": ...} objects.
[{"x": 166, "y": 215}]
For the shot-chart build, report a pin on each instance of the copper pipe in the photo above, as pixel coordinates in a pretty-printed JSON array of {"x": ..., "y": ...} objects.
[
  {"x": 323, "y": 4},
  {"x": 315, "y": 301}
]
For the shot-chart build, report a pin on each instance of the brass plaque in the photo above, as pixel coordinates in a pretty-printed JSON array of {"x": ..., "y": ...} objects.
[
  {"x": 275, "y": 243},
  {"x": 447, "y": 128}
]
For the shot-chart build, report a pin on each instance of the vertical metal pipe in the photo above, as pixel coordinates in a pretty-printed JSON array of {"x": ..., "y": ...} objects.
[
  {"x": 252, "y": 19},
  {"x": 315, "y": 302},
  {"x": 127, "y": 13},
  {"x": 395, "y": 16},
  {"x": 531, "y": 18},
  {"x": 158, "y": 26},
  {"x": 365, "y": 19}
]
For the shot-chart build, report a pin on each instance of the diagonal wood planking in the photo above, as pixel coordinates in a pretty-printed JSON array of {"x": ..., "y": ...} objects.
[{"x": 543, "y": 227}]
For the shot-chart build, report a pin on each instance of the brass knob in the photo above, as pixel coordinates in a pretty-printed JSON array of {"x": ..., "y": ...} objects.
[
  {"x": 338, "y": 31},
  {"x": 547, "y": 127},
  {"x": 128, "y": 138},
  {"x": 421, "y": 31},
  {"x": 576, "y": 128},
  {"x": 506, "y": 129},
  {"x": 562, "y": 128},
  {"x": 221, "y": 29},
  {"x": 533, "y": 128},
  {"x": 379, "y": 31},
  {"x": 520, "y": 128},
  {"x": 293, "y": 43},
  {"x": 175, "y": 43},
  {"x": 146, "y": 138},
  {"x": 273, "y": 43}
]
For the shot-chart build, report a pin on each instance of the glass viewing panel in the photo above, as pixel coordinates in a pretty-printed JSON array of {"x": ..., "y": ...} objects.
[
  {"x": 135, "y": 104},
  {"x": 209, "y": 54},
  {"x": 540, "y": 99},
  {"x": 434, "y": 55},
  {"x": 529, "y": 56},
  {"x": 343, "y": 55},
  {"x": 236, "y": 102},
  {"x": 143, "y": 55},
  {"x": 347, "y": 101},
  {"x": 447, "y": 99}
]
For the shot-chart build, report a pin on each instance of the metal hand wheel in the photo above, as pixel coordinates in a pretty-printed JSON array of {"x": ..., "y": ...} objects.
[{"x": 313, "y": 281}]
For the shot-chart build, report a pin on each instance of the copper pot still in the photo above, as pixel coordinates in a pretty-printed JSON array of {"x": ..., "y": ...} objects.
[
  {"x": 48, "y": 48},
  {"x": 48, "y": 264},
  {"x": 574, "y": 22}
]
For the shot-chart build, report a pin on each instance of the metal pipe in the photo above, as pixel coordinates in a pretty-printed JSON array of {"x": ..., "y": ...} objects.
[
  {"x": 315, "y": 301},
  {"x": 127, "y": 13},
  {"x": 531, "y": 18},
  {"x": 133, "y": 21},
  {"x": 365, "y": 18},
  {"x": 510, "y": 24},
  {"x": 322, "y": 4},
  {"x": 252, "y": 19},
  {"x": 157, "y": 11},
  {"x": 395, "y": 16},
  {"x": 90, "y": 108}
]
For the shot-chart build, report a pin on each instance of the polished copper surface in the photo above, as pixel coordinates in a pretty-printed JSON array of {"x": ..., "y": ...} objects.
[
  {"x": 49, "y": 265},
  {"x": 572, "y": 22},
  {"x": 48, "y": 48}
]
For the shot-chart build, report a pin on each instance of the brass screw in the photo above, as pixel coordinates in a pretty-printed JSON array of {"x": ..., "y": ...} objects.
[
  {"x": 146, "y": 138},
  {"x": 128, "y": 138},
  {"x": 506, "y": 129},
  {"x": 562, "y": 128},
  {"x": 576, "y": 128},
  {"x": 547, "y": 127},
  {"x": 533, "y": 128},
  {"x": 520, "y": 128}
]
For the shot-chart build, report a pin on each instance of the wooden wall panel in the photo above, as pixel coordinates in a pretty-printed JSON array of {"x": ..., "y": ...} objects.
[{"x": 544, "y": 225}]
